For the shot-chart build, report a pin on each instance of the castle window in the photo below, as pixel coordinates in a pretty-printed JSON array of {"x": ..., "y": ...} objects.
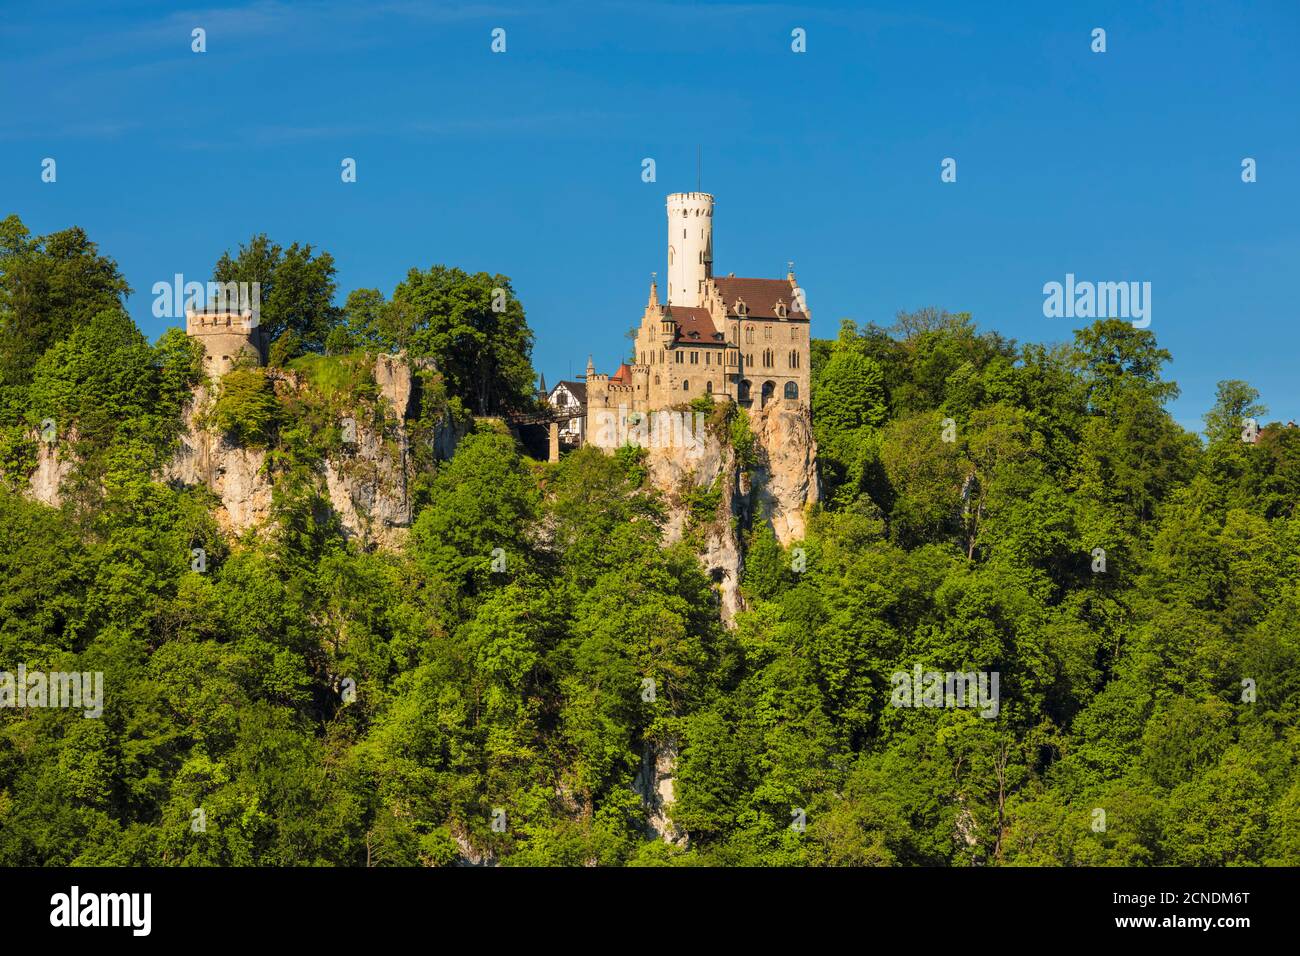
[
  {"x": 706, "y": 358},
  {"x": 742, "y": 391},
  {"x": 681, "y": 357},
  {"x": 767, "y": 332},
  {"x": 708, "y": 387},
  {"x": 768, "y": 358},
  {"x": 749, "y": 335},
  {"x": 656, "y": 379},
  {"x": 794, "y": 333},
  {"x": 794, "y": 359},
  {"x": 686, "y": 385},
  {"x": 695, "y": 358},
  {"x": 791, "y": 390}
]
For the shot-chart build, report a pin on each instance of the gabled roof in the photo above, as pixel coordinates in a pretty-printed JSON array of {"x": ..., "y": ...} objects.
[
  {"x": 623, "y": 375},
  {"x": 577, "y": 389},
  {"x": 693, "y": 325},
  {"x": 760, "y": 296}
]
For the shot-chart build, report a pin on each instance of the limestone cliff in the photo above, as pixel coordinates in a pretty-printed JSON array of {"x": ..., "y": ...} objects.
[
  {"x": 237, "y": 476},
  {"x": 52, "y": 466},
  {"x": 785, "y": 480},
  {"x": 655, "y": 783},
  {"x": 366, "y": 480},
  {"x": 779, "y": 489}
]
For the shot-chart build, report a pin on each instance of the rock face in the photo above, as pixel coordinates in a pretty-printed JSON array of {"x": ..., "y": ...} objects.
[
  {"x": 780, "y": 489},
  {"x": 368, "y": 487},
  {"x": 396, "y": 385},
  {"x": 235, "y": 475},
  {"x": 785, "y": 481},
  {"x": 682, "y": 468},
  {"x": 655, "y": 784},
  {"x": 45, "y": 483},
  {"x": 367, "y": 482}
]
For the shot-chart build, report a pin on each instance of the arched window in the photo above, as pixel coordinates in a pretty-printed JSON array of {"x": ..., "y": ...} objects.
[
  {"x": 769, "y": 389},
  {"x": 794, "y": 358},
  {"x": 670, "y": 255},
  {"x": 791, "y": 390},
  {"x": 768, "y": 358},
  {"x": 708, "y": 387},
  {"x": 742, "y": 391},
  {"x": 686, "y": 385},
  {"x": 749, "y": 335}
]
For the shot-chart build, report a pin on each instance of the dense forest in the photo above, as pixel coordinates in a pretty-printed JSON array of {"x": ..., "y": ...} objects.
[{"x": 1029, "y": 510}]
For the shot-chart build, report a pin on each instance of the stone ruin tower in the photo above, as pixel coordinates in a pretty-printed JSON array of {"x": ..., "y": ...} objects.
[{"x": 225, "y": 337}]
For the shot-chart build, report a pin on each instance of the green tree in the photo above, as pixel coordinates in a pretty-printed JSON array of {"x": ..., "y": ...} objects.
[
  {"x": 474, "y": 328},
  {"x": 296, "y": 289}
]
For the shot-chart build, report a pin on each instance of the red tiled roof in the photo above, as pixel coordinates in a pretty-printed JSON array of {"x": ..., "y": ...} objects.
[
  {"x": 693, "y": 325},
  {"x": 760, "y": 296},
  {"x": 623, "y": 375}
]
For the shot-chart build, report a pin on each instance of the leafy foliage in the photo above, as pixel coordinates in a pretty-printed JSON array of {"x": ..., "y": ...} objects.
[{"x": 325, "y": 705}]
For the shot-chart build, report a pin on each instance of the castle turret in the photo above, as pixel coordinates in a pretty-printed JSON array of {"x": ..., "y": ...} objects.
[
  {"x": 690, "y": 247},
  {"x": 226, "y": 336}
]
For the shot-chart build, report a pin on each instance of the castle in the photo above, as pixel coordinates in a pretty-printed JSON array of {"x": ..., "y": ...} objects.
[
  {"x": 225, "y": 337},
  {"x": 743, "y": 340}
]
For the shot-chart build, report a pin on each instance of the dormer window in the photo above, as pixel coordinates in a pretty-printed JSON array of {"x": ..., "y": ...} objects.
[
  {"x": 742, "y": 310},
  {"x": 781, "y": 310}
]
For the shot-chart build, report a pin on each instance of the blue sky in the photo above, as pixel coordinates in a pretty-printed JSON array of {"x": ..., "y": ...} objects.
[{"x": 1117, "y": 166}]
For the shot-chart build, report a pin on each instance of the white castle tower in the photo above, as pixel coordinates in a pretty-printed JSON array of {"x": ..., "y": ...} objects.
[{"x": 690, "y": 247}]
